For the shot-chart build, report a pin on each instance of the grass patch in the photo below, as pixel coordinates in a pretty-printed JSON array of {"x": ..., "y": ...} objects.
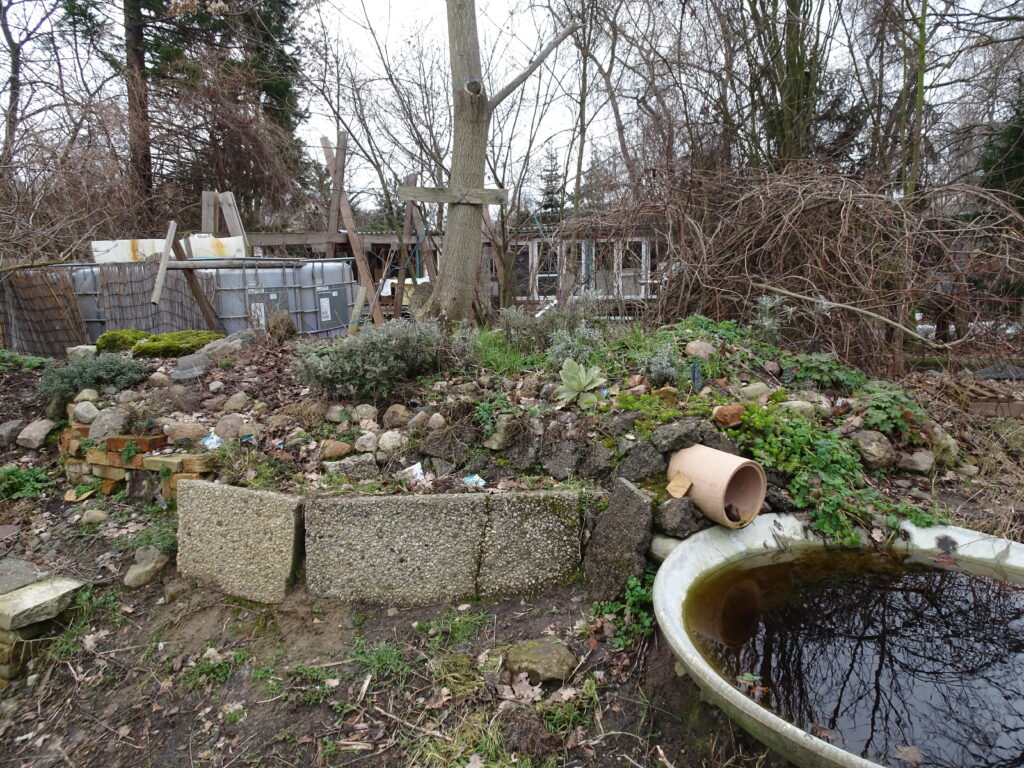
[
  {"x": 453, "y": 628},
  {"x": 12, "y": 362},
  {"x": 383, "y": 660},
  {"x": 476, "y": 735},
  {"x": 90, "y": 605}
]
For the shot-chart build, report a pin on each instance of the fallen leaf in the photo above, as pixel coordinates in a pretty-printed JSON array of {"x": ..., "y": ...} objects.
[
  {"x": 438, "y": 699},
  {"x": 475, "y": 761},
  {"x": 520, "y": 690},
  {"x": 89, "y": 641},
  {"x": 563, "y": 694},
  {"x": 123, "y": 732},
  {"x": 877, "y": 535},
  {"x": 908, "y": 754}
]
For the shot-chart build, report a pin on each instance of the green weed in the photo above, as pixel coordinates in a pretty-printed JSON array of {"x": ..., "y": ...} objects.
[
  {"x": 89, "y": 605},
  {"x": 453, "y": 628},
  {"x": 23, "y": 483},
  {"x": 633, "y": 617},
  {"x": 383, "y": 660}
]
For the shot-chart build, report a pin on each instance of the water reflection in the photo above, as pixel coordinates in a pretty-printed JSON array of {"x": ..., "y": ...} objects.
[{"x": 874, "y": 655}]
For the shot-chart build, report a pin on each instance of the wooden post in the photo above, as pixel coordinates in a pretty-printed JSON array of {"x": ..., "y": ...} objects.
[
  {"x": 408, "y": 250},
  {"x": 428, "y": 251},
  {"x": 210, "y": 213},
  {"x": 357, "y": 309},
  {"x": 336, "y": 167},
  {"x": 212, "y": 321},
  {"x": 232, "y": 217},
  {"x": 161, "y": 275}
]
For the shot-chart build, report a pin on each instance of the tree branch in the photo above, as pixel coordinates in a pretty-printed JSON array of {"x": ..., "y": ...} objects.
[{"x": 509, "y": 89}]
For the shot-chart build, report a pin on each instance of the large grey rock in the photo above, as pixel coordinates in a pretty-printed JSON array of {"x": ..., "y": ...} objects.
[
  {"x": 191, "y": 367},
  {"x": 9, "y": 432},
  {"x": 597, "y": 461},
  {"x": 503, "y": 433},
  {"x": 669, "y": 438},
  {"x": 87, "y": 395},
  {"x": 543, "y": 659},
  {"x": 336, "y": 414},
  {"x": 754, "y": 390},
  {"x": 360, "y": 467},
  {"x": 229, "y": 427},
  {"x": 406, "y": 550},
  {"x": 240, "y": 541},
  {"x": 618, "y": 424},
  {"x": 678, "y": 518},
  {"x": 109, "y": 422},
  {"x": 34, "y": 435},
  {"x": 237, "y": 402},
  {"x": 158, "y": 380},
  {"x": 874, "y": 448},
  {"x": 700, "y": 349},
  {"x": 643, "y": 461},
  {"x": 418, "y": 421},
  {"x": 396, "y": 415},
  {"x": 149, "y": 562},
  {"x": 15, "y": 574},
  {"x": 532, "y": 541},
  {"x": 366, "y": 442},
  {"x": 39, "y": 601},
  {"x": 920, "y": 462},
  {"x": 85, "y": 412},
  {"x": 364, "y": 412},
  {"x": 185, "y": 399},
  {"x": 559, "y": 455},
  {"x": 391, "y": 442},
  {"x": 81, "y": 352},
  {"x": 185, "y": 430},
  {"x": 618, "y": 546},
  {"x": 802, "y": 407}
]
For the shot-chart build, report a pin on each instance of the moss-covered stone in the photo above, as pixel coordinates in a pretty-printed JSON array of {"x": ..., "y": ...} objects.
[
  {"x": 174, "y": 344},
  {"x": 119, "y": 340}
]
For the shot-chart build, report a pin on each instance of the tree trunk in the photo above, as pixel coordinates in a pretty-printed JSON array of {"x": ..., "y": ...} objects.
[
  {"x": 140, "y": 163},
  {"x": 452, "y": 297},
  {"x": 13, "y": 94}
]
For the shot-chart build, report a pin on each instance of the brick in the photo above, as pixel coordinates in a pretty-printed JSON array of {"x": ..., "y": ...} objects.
[
  {"x": 109, "y": 487},
  {"x": 80, "y": 430},
  {"x": 172, "y": 461},
  {"x": 75, "y": 449},
  {"x": 65, "y": 442},
  {"x": 146, "y": 443},
  {"x": 199, "y": 463},
  {"x": 243, "y": 542},
  {"x": 169, "y": 488},
  {"x": 69, "y": 408},
  {"x": 108, "y": 472},
  {"x": 103, "y": 458}
]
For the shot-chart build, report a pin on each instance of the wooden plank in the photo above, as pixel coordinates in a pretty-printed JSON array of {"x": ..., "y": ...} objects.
[
  {"x": 210, "y": 212},
  {"x": 161, "y": 275},
  {"x": 407, "y": 249},
  {"x": 232, "y": 217},
  {"x": 209, "y": 315},
  {"x": 490, "y": 237},
  {"x": 336, "y": 168},
  {"x": 357, "y": 309},
  {"x": 453, "y": 196},
  {"x": 362, "y": 264},
  {"x": 193, "y": 264},
  {"x": 426, "y": 250}
]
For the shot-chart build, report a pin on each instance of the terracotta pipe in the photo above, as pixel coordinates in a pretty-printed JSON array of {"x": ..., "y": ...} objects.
[{"x": 727, "y": 489}]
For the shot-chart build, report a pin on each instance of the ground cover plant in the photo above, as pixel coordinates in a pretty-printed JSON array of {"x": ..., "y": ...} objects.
[{"x": 60, "y": 383}]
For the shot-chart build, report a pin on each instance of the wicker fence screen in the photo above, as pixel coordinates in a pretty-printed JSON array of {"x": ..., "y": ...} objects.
[{"x": 39, "y": 313}]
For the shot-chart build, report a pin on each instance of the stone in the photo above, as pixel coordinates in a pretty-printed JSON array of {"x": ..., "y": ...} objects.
[
  {"x": 728, "y": 415},
  {"x": 39, "y": 601},
  {"x": 441, "y": 467},
  {"x": 700, "y": 349},
  {"x": 802, "y": 407},
  {"x": 643, "y": 461},
  {"x": 404, "y": 550},
  {"x": 143, "y": 486},
  {"x": 191, "y": 367},
  {"x": 128, "y": 396},
  {"x": 366, "y": 442},
  {"x": 81, "y": 352},
  {"x": 9, "y": 432},
  {"x": 543, "y": 659},
  {"x": 237, "y": 402},
  {"x": 874, "y": 448},
  {"x": 109, "y": 422},
  {"x": 772, "y": 368},
  {"x": 185, "y": 430},
  {"x": 754, "y": 390},
  {"x": 678, "y": 518},
  {"x": 214, "y": 403},
  {"x": 391, "y": 442},
  {"x": 436, "y": 421},
  {"x": 418, "y": 421},
  {"x": 920, "y": 462},
  {"x": 229, "y": 427},
  {"x": 87, "y": 396},
  {"x": 596, "y": 461},
  {"x": 469, "y": 388},
  {"x": 364, "y": 411},
  {"x": 94, "y": 517},
  {"x": 149, "y": 562},
  {"x": 531, "y": 541},
  {"x": 174, "y": 589},
  {"x": 396, "y": 415},
  {"x": 28, "y": 632},
  {"x": 719, "y": 441},
  {"x": 668, "y": 395},
  {"x": 215, "y": 386},
  {"x": 559, "y": 455},
  {"x": 336, "y": 414},
  {"x": 34, "y": 435},
  {"x": 617, "y": 548},
  {"x": 241, "y": 541},
  {"x": 184, "y": 399},
  {"x": 15, "y": 574},
  {"x": 85, "y": 412},
  {"x": 669, "y": 438},
  {"x": 158, "y": 380},
  {"x": 822, "y": 403},
  {"x": 945, "y": 448},
  {"x": 335, "y": 449},
  {"x": 502, "y": 436},
  {"x": 360, "y": 467}
]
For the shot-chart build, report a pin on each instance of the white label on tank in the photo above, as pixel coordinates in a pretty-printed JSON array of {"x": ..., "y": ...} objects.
[
  {"x": 325, "y": 309},
  {"x": 334, "y": 293},
  {"x": 273, "y": 296}
]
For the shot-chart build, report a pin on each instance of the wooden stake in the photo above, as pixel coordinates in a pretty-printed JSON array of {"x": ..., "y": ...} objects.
[
  {"x": 161, "y": 275},
  {"x": 232, "y": 217},
  {"x": 210, "y": 212}
]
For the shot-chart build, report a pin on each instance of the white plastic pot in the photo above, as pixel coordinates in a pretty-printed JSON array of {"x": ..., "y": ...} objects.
[{"x": 726, "y": 488}]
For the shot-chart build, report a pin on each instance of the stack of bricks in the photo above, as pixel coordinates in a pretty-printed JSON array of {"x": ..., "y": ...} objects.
[{"x": 118, "y": 457}]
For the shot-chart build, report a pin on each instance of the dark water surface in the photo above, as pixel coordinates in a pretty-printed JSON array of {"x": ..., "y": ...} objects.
[{"x": 901, "y": 663}]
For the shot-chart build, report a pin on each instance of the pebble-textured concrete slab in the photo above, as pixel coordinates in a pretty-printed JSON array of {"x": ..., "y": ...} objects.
[
  {"x": 407, "y": 550},
  {"x": 532, "y": 541},
  {"x": 36, "y": 602},
  {"x": 241, "y": 541}
]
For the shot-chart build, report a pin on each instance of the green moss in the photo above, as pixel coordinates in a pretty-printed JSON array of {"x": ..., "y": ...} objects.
[
  {"x": 120, "y": 340},
  {"x": 174, "y": 344}
]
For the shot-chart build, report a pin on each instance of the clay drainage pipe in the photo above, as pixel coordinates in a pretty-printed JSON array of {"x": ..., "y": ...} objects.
[{"x": 727, "y": 489}]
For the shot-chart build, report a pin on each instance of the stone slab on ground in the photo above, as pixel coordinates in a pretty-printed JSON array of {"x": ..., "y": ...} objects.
[
  {"x": 409, "y": 550},
  {"x": 15, "y": 574},
  {"x": 532, "y": 541},
  {"x": 37, "y": 602},
  {"x": 241, "y": 541}
]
